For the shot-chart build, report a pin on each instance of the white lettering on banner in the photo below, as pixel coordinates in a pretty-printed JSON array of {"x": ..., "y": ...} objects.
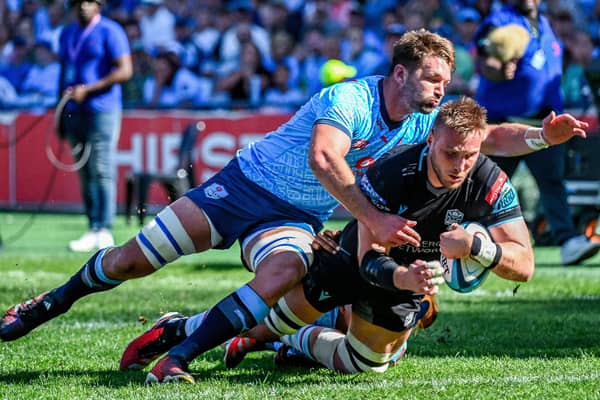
[
  {"x": 163, "y": 147},
  {"x": 157, "y": 152},
  {"x": 217, "y": 149},
  {"x": 132, "y": 158},
  {"x": 151, "y": 153}
]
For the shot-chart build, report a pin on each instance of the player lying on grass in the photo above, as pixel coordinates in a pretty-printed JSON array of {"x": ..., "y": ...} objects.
[
  {"x": 235, "y": 350},
  {"x": 278, "y": 191},
  {"x": 439, "y": 185}
]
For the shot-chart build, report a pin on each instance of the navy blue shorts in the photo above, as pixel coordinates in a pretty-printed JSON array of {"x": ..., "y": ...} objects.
[{"x": 237, "y": 206}]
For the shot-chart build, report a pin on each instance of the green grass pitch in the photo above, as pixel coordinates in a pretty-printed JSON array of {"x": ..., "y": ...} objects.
[{"x": 538, "y": 341}]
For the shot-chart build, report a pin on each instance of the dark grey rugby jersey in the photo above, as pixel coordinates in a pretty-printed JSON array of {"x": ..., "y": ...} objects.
[{"x": 398, "y": 184}]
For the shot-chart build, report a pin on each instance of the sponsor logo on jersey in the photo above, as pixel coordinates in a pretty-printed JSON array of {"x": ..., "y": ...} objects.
[
  {"x": 453, "y": 216},
  {"x": 402, "y": 208},
  {"x": 365, "y": 162},
  {"x": 494, "y": 192},
  {"x": 507, "y": 197},
  {"x": 360, "y": 144},
  {"x": 215, "y": 191},
  {"x": 410, "y": 169},
  {"x": 324, "y": 295},
  {"x": 426, "y": 247}
]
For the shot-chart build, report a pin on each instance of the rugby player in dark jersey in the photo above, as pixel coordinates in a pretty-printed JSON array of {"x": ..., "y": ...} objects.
[{"x": 439, "y": 184}]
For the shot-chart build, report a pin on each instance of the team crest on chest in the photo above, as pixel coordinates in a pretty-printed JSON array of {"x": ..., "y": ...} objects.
[
  {"x": 453, "y": 216},
  {"x": 215, "y": 191}
]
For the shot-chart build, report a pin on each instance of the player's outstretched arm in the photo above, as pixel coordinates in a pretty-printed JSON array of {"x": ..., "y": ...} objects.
[
  {"x": 514, "y": 139},
  {"x": 329, "y": 146}
]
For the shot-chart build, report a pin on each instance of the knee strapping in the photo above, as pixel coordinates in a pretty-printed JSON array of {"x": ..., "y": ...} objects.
[
  {"x": 354, "y": 355},
  {"x": 287, "y": 240},
  {"x": 282, "y": 320},
  {"x": 164, "y": 239}
]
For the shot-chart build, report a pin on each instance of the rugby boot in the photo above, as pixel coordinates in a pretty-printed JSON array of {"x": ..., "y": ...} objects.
[
  {"x": 288, "y": 357},
  {"x": 237, "y": 348},
  {"x": 167, "y": 331},
  {"x": 428, "y": 313},
  {"x": 169, "y": 370},
  {"x": 22, "y": 318}
]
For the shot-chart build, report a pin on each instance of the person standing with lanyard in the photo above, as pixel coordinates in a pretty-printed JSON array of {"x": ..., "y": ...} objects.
[
  {"x": 527, "y": 87},
  {"x": 95, "y": 58}
]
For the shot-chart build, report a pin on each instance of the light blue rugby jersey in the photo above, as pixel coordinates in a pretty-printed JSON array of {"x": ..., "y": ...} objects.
[{"x": 279, "y": 162}]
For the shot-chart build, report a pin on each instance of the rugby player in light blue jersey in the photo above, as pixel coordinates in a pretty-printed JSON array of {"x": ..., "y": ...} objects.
[{"x": 274, "y": 195}]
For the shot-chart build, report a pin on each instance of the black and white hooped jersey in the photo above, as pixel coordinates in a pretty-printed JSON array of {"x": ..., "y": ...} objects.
[{"x": 398, "y": 184}]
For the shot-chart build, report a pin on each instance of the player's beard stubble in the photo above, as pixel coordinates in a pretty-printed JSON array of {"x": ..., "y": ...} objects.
[{"x": 419, "y": 103}]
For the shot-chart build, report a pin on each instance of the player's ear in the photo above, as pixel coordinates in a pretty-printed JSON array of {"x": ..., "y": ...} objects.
[
  {"x": 400, "y": 74},
  {"x": 430, "y": 138}
]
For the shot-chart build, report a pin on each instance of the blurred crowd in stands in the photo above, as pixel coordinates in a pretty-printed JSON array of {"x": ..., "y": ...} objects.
[{"x": 207, "y": 54}]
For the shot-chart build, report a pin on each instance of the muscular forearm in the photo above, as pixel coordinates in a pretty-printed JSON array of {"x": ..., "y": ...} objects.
[
  {"x": 512, "y": 139},
  {"x": 516, "y": 264},
  {"x": 337, "y": 177},
  {"x": 506, "y": 140}
]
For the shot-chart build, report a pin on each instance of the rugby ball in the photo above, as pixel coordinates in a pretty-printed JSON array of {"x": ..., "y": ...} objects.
[{"x": 465, "y": 274}]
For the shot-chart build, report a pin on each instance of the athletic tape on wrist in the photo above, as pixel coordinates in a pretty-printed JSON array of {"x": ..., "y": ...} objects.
[
  {"x": 534, "y": 137},
  {"x": 486, "y": 252}
]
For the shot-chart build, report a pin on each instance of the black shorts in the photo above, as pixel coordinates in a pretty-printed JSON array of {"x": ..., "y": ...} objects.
[{"x": 335, "y": 280}]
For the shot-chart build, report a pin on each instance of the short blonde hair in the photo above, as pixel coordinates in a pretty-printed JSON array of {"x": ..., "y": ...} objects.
[{"x": 463, "y": 116}]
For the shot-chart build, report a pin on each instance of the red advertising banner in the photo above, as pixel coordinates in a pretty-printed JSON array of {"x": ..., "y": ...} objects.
[{"x": 149, "y": 142}]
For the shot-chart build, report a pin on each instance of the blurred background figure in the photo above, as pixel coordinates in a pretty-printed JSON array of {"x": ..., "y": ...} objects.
[
  {"x": 528, "y": 86},
  {"x": 578, "y": 56},
  {"x": 464, "y": 78},
  {"x": 172, "y": 85},
  {"x": 280, "y": 94},
  {"x": 393, "y": 32},
  {"x": 357, "y": 53},
  {"x": 244, "y": 80},
  {"x": 40, "y": 87},
  {"x": 157, "y": 24},
  {"x": 282, "y": 47},
  {"x": 95, "y": 59},
  {"x": 16, "y": 64},
  {"x": 243, "y": 30}
]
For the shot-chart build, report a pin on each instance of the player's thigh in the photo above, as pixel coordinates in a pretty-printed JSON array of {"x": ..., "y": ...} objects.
[
  {"x": 195, "y": 223},
  {"x": 179, "y": 229}
]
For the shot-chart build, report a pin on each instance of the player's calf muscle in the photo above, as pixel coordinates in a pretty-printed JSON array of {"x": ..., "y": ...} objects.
[{"x": 126, "y": 262}]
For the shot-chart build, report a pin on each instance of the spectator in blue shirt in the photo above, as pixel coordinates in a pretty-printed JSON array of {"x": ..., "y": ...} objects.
[
  {"x": 95, "y": 59},
  {"x": 529, "y": 87}
]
